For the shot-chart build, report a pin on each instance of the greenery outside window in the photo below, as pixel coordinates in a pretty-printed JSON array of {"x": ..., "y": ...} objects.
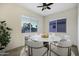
[{"x": 28, "y": 24}]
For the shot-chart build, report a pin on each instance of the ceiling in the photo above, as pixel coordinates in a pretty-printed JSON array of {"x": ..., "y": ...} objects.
[{"x": 56, "y": 7}]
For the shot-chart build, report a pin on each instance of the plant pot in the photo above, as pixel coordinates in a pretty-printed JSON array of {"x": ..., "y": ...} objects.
[{"x": 2, "y": 47}]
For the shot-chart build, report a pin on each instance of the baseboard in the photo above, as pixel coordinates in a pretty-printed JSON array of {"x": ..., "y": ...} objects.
[{"x": 14, "y": 48}]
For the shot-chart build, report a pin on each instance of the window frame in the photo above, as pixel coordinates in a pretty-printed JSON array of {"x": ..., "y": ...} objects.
[{"x": 30, "y": 18}]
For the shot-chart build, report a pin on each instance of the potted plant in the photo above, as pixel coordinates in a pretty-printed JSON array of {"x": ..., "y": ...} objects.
[{"x": 4, "y": 34}]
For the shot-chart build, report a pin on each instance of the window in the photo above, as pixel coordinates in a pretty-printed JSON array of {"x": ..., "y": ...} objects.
[
  {"x": 61, "y": 25},
  {"x": 57, "y": 25},
  {"x": 28, "y": 24},
  {"x": 52, "y": 26}
]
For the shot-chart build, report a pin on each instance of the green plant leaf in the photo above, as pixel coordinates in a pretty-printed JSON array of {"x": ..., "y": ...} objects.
[
  {"x": 8, "y": 28},
  {"x": 4, "y": 34},
  {"x": 3, "y": 22}
]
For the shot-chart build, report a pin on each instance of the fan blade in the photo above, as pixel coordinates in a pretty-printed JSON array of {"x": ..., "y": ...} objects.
[
  {"x": 44, "y": 4},
  {"x": 49, "y": 4},
  {"x": 39, "y": 6},
  {"x": 48, "y": 8}
]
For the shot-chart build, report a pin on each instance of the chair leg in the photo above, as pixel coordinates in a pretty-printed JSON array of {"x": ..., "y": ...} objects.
[
  {"x": 50, "y": 50},
  {"x": 28, "y": 51},
  {"x": 69, "y": 51},
  {"x": 55, "y": 53},
  {"x": 47, "y": 52},
  {"x": 31, "y": 52}
]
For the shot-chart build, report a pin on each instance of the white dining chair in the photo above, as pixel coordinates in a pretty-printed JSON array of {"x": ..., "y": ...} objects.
[
  {"x": 35, "y": 48},
  {"x": 62, "y": 48}
]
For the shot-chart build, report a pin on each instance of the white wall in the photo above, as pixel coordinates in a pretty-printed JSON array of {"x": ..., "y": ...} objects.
[
  {"x": 78, "y": 27},
  {"x": 12, "y": 13},
  {"x": 71, "y": 15}
]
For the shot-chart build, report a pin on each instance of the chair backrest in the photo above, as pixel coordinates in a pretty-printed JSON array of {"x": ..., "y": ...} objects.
[
  {"x": 56, "y": 38},
  {"x": 65, "y": 43},
  {"x": 51, "y": 34},
  {"x": 26, "y": 39},
  {"x": 67, "y": 37},
  {"x": 31, "y": 43},
  {"x": 34, "y": 44}
]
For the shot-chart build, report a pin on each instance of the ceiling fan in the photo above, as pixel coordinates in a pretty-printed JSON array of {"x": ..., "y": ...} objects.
[{"x": 45, "y": 6}]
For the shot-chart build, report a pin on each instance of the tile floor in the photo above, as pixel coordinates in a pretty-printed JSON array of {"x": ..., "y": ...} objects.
[{"x": 16, "y": 51}]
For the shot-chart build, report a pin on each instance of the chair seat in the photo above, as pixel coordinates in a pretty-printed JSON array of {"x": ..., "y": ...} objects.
[
  {"x": 34, "y": 44},
  {"x": 39, "y": 52}
]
